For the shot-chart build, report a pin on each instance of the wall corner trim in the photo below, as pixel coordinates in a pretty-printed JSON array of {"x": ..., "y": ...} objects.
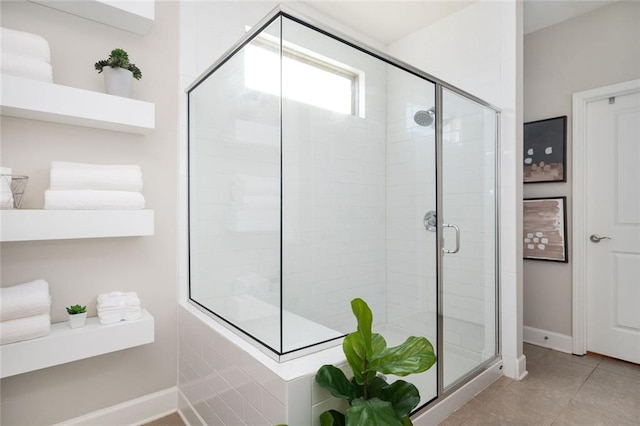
[
  {"x": 547, "y": 339},
  {"x": 133, "y": 412}
]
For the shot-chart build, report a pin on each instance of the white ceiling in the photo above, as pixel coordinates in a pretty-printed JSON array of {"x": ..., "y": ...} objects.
[{"x": 390, "y": 20}]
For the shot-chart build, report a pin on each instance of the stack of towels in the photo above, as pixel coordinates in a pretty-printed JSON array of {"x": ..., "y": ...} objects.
[
  {"x": 118, "y": 306},
  {"x": 25, "y": 55},
  {"x": 79, "y": 186},
  {"x": 24, "y": 311},
  {"x": 6, "y": 196}
]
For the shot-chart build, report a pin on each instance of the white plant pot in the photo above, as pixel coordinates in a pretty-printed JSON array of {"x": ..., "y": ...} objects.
[
  {"x": 77, "y": 320},
  {"x": 117, "y": 81}
]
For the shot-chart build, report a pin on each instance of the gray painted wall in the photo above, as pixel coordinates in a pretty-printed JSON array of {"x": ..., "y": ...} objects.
[
  {"x": 592, "y": 50},
  {"x": 78, "y": 270}
]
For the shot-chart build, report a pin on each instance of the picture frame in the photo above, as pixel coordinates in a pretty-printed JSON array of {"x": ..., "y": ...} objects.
[
  {"x": 545, "y": 150},
  {"x": 544, "y": 229}
]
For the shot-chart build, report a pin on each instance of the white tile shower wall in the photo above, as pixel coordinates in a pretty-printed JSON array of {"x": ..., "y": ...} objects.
[
  {"x": 476, "y": 50},
  {"x": 410, "y": 260},
  {"x": 334, "y": 195},
  {"x": 223, "y": 384},
  {"x": 226, "y": 385}
]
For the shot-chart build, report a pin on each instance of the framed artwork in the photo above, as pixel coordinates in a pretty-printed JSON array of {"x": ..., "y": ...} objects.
[
  {"x": 545, "y": 150},
  {"x": 544, "y": 231}
]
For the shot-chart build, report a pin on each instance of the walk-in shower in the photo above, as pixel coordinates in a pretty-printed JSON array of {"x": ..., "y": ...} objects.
[{"x": 313, "y": 164}]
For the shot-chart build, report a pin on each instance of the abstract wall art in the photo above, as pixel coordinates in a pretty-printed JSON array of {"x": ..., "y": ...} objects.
[
  {"x": 545, "y": 143},
  {"x": 544, "y": 230}
]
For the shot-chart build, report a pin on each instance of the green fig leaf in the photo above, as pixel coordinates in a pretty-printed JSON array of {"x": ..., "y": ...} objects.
[
  {"x": 415, "y": 355},
  {"x": 372, "y": 411},
  {"x": 332, "y": 418},
  {"x": 403, "y": 396},
  {"x": 334, "y": 380}
]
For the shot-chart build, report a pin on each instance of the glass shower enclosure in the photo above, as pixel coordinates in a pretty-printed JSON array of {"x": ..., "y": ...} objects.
[{"x": 321, "y": 170}]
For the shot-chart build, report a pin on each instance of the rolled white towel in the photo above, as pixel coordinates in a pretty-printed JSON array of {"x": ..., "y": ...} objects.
[
  {"x": 6, "y": 196},
  {"x": 25, "y": 44},
  {"x": 25, "y": 300},
  {"x": 24, "y": 328},
  {"x": 117, "y": 299},
  {"x": 85, "y": 199},
  {"x": 68, "y": 175},
  {"x": 22, "y": 66}
]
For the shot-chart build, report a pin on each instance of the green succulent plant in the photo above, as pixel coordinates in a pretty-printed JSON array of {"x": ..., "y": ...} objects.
[
  {"x": 76, "y": 309},
  {"x": 373, "y": 401},
  {"x": 119, "y": 59}
]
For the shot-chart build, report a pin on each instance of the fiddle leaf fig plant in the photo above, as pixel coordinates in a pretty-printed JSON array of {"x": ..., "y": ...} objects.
[
  {"x": 119, "y": 58},
  {"x": 371, "y": 399}
]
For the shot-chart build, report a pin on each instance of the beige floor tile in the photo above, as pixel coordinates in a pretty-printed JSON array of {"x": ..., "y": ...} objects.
[
  {"x": 499, "y": 412},
  {"x": 620, "y": 367},
  {"x": 611, "y": 393},
  {"x": 580, "y": 413},
  {"x": 170, "y": 420},
  {"x": 559, "y": 378},
  {"x": 534, "y": 353},
  {"x": 561, "y": 389},
  {"x": 590, "y": 360}
]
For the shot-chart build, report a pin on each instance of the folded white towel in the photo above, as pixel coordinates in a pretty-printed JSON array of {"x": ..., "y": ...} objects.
[
  {"x": 24, "y": 300},
  {"x": 25, "y": 44},
  {"x": 24, "y": 328},
  {"x": 21, "y": 66},
  {"x": 85, "y": 199},
  {"x": 118, "y": 298},
  {"x": 6, "y": 196},
  {"x": 111, "y": 317},
  {"x": 67, "y": 175}
]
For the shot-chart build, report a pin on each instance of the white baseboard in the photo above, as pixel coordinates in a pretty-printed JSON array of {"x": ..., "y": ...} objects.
[
  {"x": 187, "y": 412},
  {"x": 547, "y": 339},
  {"x": 134, "y": 412}
]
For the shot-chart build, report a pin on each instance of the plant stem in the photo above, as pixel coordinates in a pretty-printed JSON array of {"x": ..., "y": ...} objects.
[{"x": 365, "y": 385}]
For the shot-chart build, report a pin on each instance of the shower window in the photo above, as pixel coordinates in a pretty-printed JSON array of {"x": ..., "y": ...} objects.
[{"x": 307, "y": 76}]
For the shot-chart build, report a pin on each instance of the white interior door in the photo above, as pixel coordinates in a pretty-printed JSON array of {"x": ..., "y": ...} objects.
[{"x": 613, "y": 226}]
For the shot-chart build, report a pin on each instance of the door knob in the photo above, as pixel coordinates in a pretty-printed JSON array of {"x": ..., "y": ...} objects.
[{"x": 595, "y": 238}]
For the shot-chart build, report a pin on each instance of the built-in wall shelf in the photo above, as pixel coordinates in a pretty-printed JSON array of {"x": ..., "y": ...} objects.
[
  {"x": 134, "y": 16},
  {"x": 33, "y": 225},
  {"x": 64, "y": 344},
  {"x": 39, "y": 100}
]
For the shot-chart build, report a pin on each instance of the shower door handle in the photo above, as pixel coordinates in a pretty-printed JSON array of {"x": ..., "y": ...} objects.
[{"x": 457, "y": 249}]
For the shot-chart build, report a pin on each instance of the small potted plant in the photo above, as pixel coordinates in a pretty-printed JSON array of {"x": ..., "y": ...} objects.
[
  {"x": 77, "y": 316},
  {"x": 118, "y": 73}
]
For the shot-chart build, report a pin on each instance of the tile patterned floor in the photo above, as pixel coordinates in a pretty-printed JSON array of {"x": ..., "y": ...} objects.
[
  {"x": 560, "y": 390},
  {"x": 170, "y": 420}
]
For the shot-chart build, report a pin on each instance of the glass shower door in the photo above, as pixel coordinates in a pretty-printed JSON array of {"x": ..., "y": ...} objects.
[{"x": 468, "y": 236}]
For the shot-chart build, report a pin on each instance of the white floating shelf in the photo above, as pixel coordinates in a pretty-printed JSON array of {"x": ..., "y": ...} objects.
[
  {"x": 33, "y": 225},
  {"x": 39, "y": 100},
  {"x": 134, "y": 16},
  {"x": 64, "y": 344}
]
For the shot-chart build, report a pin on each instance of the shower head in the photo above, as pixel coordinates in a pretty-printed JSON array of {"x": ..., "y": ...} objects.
[{"x": 425, "y": 118}]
